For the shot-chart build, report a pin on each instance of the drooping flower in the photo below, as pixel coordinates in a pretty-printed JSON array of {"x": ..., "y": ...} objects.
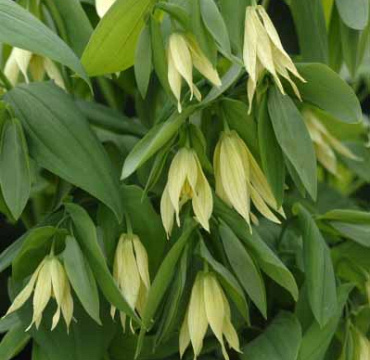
[
  {"x": 186, "y": 181},
  {"x": 360, "y": 346},
  {"x": 263, "y": 51},
  {"x": 102, "y": 6},
  {"x": 239, "y": 179},
  {"x": 325, "y": 143},
  {"x": 183, "y": 53},
  {"x": 208, "y": 306},
  {"x": 23, "y": 61},
  {"x": 131, "y": 272},
  {"x": 49, "y": 280}
]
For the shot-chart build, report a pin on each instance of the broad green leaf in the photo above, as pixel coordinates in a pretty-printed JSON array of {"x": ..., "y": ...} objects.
[
  {"x": 235, "y": 112},
  {"x": 350, "y": 40},
  {"x": 76, "y": 23},
  {"x": 155, "y": 139},
  {"x": 15, "y": 174},
  {"x": 162, "y": 281},
  {"x": 244, "y": 268},
  {"x": 81, "y": 278},
  {"x": 35, "y": 246},
  {"x": 357, "y": 232},
  {"x": 266, "y": 258},
  {"x": 320, "y": 277},
  {"x": 61, "y": 141},
  {"x": 10, "y": 253},
  {"x": 13, "y": 343},
  {"x": 316, "y": 339},
  {"x": 9, "y": 322},
  {"x": 113, "y": 43},
  {"x": 293, "y": 138},
  {"x": 110, "y": 119},
  {"x": 20, "y": 29},
  {"x": 272, "y": 157},
  {"x": 140, "y": 211},
  {"x": 344, "y": 215},
  {"x": 326, "y": 90},
  {"x": 354, "y": 13},
  {"x": 175, "y": 11},
  {"x": 215, "y": 25},
  {"x": 335, "y": 45},
  {"x": 227, "y": 280},
  {"x": 87, "y": 238},
  {"x": 280, "y": 341},
  {"x": 309, "y": 20},
  {"x": 360, "y": 168},
  {"x": 143, "y": 61}
]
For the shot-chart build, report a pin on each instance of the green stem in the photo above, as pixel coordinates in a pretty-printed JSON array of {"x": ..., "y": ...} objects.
[
  {"x": 226, "y": 125},
  {"x": 265, "y": 3},
  {"x": 5, "y": 81},
  {"x": 128, "y": 224}
]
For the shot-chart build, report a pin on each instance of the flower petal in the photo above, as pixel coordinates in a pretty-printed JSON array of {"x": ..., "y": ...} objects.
[
  {"x": 174, "y": 80},
  {"x": 167, "y": 211},
  {"x": 141, "y": 261},
  {"x": 102, "y": 6}
]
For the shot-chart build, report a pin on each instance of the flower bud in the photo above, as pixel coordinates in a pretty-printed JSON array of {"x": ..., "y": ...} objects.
[
  {"x": 131, "y": 273},
  {"x": 263, "y": 51},
  {"x": 22, "y": 61},
  {"x": 49, "y": 280},
  {"x": 208, "y": 306},
  {"x": 186, "y": 181},
  {"x": 325, "y": 143},
  {"x": 239, "y": 179},
  {"x": 184, "y": 53}
]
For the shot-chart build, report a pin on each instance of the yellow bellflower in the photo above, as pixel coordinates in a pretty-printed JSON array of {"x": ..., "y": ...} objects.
[
  {"x": 48, "y": 281},
  {"x": 325, "y": 143},
  {"x": 186, "y": 181},
  {"x": 23, "y": 61},
  {"x": 263, "y": 51},
  {"x": 183, "y": 53},
  {"x": 131, "y": 272},
  {"x": 102, "y": 6},
  {"x": 239, "y": 179},
  {"x": 361, "y": 346},
  {"x": 208, "y": 306}
]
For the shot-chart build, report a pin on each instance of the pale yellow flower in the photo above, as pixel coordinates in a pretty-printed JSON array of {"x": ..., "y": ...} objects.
[
  {"x": 183, "y": 53},
  {"x": 49, "y": 280},
  {"x": 131, "y": 273},
  {"x": 186, "y": 181},
  {"x": 361, "y": 345},
  {"x": 263, "y": 51},
  {"x": 325, "y": 144},
  {"x": 208, "y": 306},
  {"x": 102, "y": 6},
  {"x": 239, "y": 179},
  {"x": 23, "y": 61}
]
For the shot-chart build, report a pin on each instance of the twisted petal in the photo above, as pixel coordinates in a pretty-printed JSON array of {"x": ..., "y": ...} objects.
[
  {"x": 141, "y": 261},
  {"x": 42, "y": 295},
  {"x": 23, "y": 59},
  {"x": 261, "y": 206},
  {"x": 197, "y": 318},
  {"x": 182, "y": 58},
  {"x": 220, "y": 191},
  {"x": 250, "y": 46},
  {"x": 184, "y": 338},
  {"x": 53, "y": 72},
  {"x": 11, "y": 69},
  {"x": 228, "y": 328},
  {"x": 167, "y": 211},
  {"x": 213, "y": 299},
  {"x": 58, "y": 280},
  {"x": 102, "y": 6},
  {"x": 67, "y": 306},
  {"x": 174, "y": 80}
]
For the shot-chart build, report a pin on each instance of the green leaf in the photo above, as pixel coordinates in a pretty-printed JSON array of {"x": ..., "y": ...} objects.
[
  {"x": 162, "y": 280},
  {"x": 81, "y": 278},
  {"x": 143, "y": 61},
  {"x": 309, "y": 20},
  {"x": 344, "y": 215},
  {"x": 113, "y": 43},
  {"x": 87, "y": 238},
  {"x": 245, "y": 269},
  {"x": 9, "y": 322},
  {"x": 316, "y": 339},
  {"x": 35, "y": 246},
  {"x": 15, "y": 174},
  {"x": 227, "y": 280},
  {"x": 320, "y": 277},
  {"x": 13, "y": 343},
  {"x": 110, "y": 119},
  {"x": 293, "y": 137},
  {"x": 61, "y": 141},
  {"x": 326, "y": 90},
  {"x": 272, "y": 157},
  {"x": 266, "y": 258},
  {"x": 20, "y": 29},
  {"x": 215, "y": 25},
  {"x": 355, "y": 13},
  {"x": 175, "y": 11},
  {"x": 155, "y": 139},
  {"x": 357, "y": 232},
  {"x": 280, "y": 341},
  {"x": 140, "y": 211},
  {"x": 350, "y": 40},
  {"x": 235, "y": 113},
  {"x": 76, "y": 23},
  {"x": 9, "y": 254}
]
